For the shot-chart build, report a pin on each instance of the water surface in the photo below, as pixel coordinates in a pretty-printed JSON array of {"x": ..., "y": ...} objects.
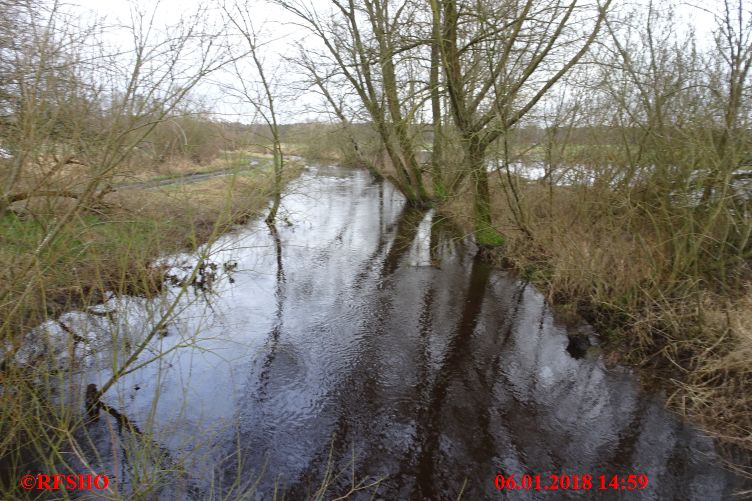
[{"x": 364, "y": 336}]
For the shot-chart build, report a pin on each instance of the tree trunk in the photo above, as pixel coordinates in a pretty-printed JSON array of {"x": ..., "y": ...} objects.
[
  {"x": 486, "y": 235},
  {"x": 437, "y": 178},
  {"x": 277, "y": 195}
]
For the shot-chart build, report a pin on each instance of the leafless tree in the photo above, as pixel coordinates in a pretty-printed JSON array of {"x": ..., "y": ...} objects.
[
  {"x": 258, "y": 89},
  {"x": 684, "y": 119},
  {"x": 500, "y": 60},
  {"x": 75, "y": 101},
  {"x": 365, "y": 42}
]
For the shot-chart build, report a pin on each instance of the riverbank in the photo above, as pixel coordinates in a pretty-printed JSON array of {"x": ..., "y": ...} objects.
[
  {"x": 112, "y": 247},
  {"x": 595, "y": 260}
]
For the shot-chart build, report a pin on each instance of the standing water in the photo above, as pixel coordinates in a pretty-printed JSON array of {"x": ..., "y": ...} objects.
[{"x": 363, "y": 345}]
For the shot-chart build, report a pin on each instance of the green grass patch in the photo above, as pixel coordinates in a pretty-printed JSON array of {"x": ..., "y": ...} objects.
[{"x": 486, "y": 236}]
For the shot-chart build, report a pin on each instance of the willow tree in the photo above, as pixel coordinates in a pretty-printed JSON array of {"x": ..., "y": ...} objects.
[
  {"x": 322, "y": 80},
  {"x": 367, "y": 42},
  {"x": 500, "y": 58}
]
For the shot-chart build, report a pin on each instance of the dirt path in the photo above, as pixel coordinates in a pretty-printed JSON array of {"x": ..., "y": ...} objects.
[{"x": 186, "y": 179}]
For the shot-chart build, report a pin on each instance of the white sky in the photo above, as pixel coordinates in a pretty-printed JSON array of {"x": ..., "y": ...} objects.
[
  {"x": 281, "y": 24},
  {"x": 275, "y": 23}
]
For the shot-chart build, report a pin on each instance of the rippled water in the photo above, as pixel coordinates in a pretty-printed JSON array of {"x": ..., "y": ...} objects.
[{"x": 365, "y": 337}]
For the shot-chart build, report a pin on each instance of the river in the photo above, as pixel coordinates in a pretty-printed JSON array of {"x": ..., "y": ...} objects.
[{"x": 364, "y": 343}]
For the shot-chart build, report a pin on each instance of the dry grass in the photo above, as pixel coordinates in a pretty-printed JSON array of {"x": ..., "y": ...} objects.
[
  {"x": 111, "y": 248},
  {"x": 140, "y": 171},
  {"x": 56, "y": 174}
]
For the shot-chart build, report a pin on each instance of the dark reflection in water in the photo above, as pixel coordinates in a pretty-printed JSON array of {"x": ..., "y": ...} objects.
[
  {"x": 387, "y": 349},
  {"x": 404, "y": 236},
  {"x": 263, "y": 377}
]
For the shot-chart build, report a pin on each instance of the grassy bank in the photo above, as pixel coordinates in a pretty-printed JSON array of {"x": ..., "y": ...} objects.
[
  {"x": 597, "y": 255},
  {"x": 177, "y": 168},
  {"x": 110, "y": 248}
]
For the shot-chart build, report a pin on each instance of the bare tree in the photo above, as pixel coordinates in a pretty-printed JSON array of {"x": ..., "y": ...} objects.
[
  {"x": 321, "y": 81},
  {"x": 435, "y": 88},
  {"x": 364, "y": 41},
  {"x": 684, "y": 121},
  {"x": 75, "y": 101},
  {"x": 262, "y": 96},
  {"x": 500, "y": 60}
]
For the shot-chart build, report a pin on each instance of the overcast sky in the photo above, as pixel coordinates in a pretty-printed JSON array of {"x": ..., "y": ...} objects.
[{"x": 280, "y": 23}]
